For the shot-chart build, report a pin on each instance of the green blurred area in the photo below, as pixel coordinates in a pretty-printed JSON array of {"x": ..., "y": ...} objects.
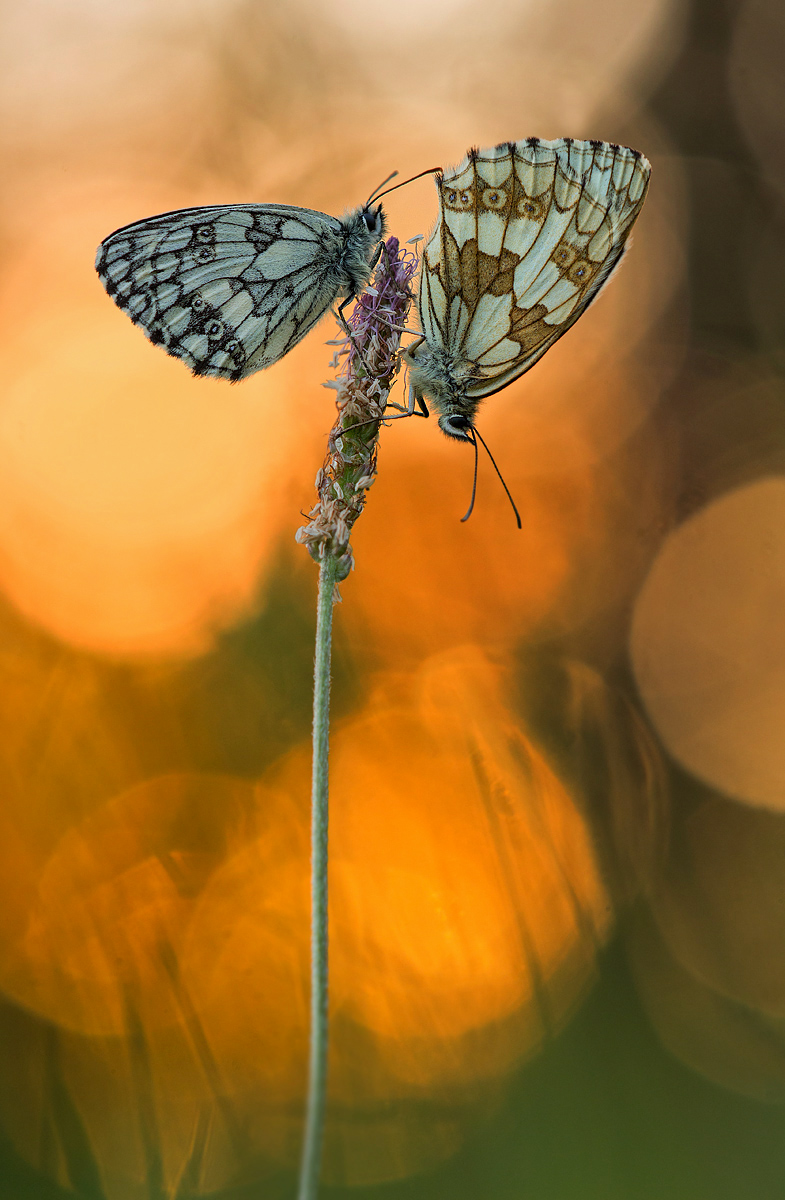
[{"x": 603, "y": 1114}]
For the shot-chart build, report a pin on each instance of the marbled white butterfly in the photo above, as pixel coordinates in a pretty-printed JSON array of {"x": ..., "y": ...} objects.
[
  {"x": 229, "y": 289},
  {"x": 528, "y": 234}
]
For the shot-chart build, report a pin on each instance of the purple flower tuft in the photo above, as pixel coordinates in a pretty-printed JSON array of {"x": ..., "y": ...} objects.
[{"x": 363, "y": 382}]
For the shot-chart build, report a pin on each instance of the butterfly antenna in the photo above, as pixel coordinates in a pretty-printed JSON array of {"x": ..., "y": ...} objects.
[
  {"x": 378, "y": 189},
  {"x": 378, "y": 193},
  {"x": 470, "y": 509},
  {"x": 498, "y": 472}
]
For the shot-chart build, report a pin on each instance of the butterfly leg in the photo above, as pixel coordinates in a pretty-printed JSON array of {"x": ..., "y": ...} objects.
[
  {"x": 350, "y": 332},
  {"x": 380, "y": 249},
  {"x": 402, "y": 412},
  {"x": 400, "y": 328},
  {"x": 377, "y": 255},
  {"x": 349, "y": 299},
  {"x": 410, "y": 410}
]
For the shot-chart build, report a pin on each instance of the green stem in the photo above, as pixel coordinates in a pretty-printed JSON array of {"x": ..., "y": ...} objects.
[{"x": 317, "y": 1064}]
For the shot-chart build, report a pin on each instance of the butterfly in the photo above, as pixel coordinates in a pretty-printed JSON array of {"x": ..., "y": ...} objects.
[
  {"x": 528, "y": 234},
  {"x": 230, "y": 289}
]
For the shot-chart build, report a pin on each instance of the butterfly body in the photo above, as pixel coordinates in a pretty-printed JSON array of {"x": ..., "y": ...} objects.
[
  {"x": 445, "y": 377},
  {"x": 529, "y": 232},
  {"x": 230, "y": 289}
]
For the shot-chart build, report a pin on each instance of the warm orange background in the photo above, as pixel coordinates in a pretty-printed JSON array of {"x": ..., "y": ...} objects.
[{"x": 521, "y": 717}]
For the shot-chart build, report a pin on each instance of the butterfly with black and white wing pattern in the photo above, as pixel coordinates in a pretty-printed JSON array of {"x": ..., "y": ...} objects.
[
  {"x": 528, "y": 234},
  {"x": 230, "y": 289}
]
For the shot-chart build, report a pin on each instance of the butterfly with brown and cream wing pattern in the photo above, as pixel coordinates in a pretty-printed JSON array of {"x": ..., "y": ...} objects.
[{"x": 528, "y": 234}]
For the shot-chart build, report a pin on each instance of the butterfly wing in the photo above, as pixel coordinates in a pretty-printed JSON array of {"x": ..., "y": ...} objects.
[
  {"x": 529, "y": 233},
  {"x": 228, "y": 289}
]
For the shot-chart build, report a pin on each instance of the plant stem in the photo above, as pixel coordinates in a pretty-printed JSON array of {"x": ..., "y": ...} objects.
[
  {"x": 317, "y": 1063},
  {"x": 371, "y": 362}
]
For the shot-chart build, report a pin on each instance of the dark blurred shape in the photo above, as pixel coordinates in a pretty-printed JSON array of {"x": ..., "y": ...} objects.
[
  {"x": 720, "y": 906},
  {"x": 724, "y": 189},
  {"x": 757, "y": 83},
  {"x": 610, "y": 755},
  {"x": 708, "y": 953}
]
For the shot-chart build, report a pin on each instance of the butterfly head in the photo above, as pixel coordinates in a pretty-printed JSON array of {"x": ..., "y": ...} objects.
[
  {"x": 363, "y": 231},
  {"x": 374, "y": 221},
  {"x": 455, "y": 425}
]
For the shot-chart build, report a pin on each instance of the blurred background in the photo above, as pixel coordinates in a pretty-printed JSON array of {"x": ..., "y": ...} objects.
[{"x": 558, "y": 769}]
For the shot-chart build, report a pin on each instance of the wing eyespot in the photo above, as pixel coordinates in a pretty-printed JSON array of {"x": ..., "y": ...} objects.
[
  {"x": 531, "y": 208},
  {"x": 564, "y": 256},
  {"x": 494, "y": 198},
  {"x": 458, "y": 199},
  {"x": 580, "y": 272}
]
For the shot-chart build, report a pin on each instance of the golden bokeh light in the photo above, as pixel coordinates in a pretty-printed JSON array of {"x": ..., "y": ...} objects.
[
  {"x": 493, "y": 583},
  {"x": 136, "y": 1100},
  {"x": 107, "y": 912},
  {"x": 466, "y": 914},
  {"x": 166, "y": 935},
  {"x": 138, "y": 506},
  {"x": 707, "y": 644}
]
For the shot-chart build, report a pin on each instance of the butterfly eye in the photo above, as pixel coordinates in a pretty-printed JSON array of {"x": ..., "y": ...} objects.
[
  {"x": 205, "y": 254},
  {"x": 214, "y": 329},
  {"x": 466, "y": 199},
  {"x": 232, "y": 347},
  {"x": 198, "y": 304},
  {"x": 373, "y": 220},
  {"x": 494, "y": 198},
  {"x": 205, "y": 233}
]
